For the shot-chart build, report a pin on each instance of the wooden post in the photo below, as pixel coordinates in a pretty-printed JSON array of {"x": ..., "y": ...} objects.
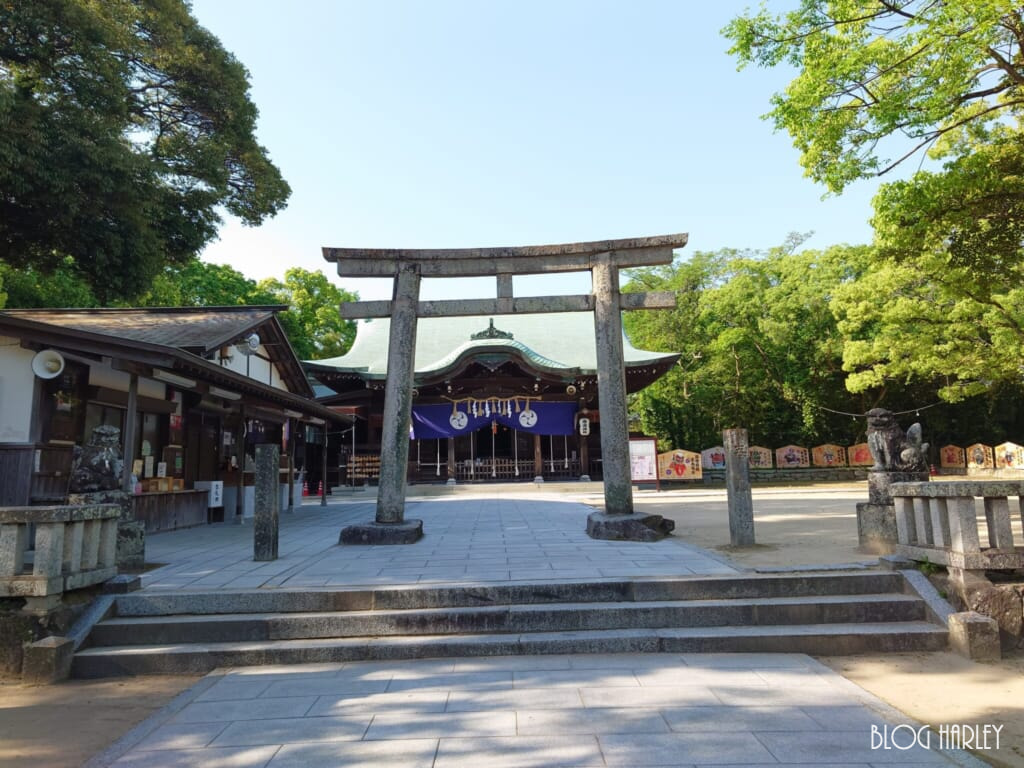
[
  {"x": 584, "y": 448},
  {"x": 451, "y": 459},
  {"x": 291, "y": 464},
  {"x": 128, "y": 438},
  {"x": 323, "y": 469},
  {"x": 240, "y": 452},
  {"x": 538, "y": 459}
]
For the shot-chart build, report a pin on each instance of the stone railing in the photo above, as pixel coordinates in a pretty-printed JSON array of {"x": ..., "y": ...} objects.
[
  {"x": 75, "y": 547},
  {"x": 938, "y": 522}
]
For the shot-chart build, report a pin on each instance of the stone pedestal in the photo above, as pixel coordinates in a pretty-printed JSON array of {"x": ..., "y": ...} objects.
[
  {"x": 879, "y": 482},
  {"x": 47, "y": 660},
  {"x": 737, "y": 487},
  {"x": 632, "y": 527},
  {"x": 405, "y": 532},
  {"x": 876, "y": 520},
  {"x": 131, "y": 533},
  {"x": 268, "y": 503},
  {"x": 876, "y": 528},
  {"x": 974, "y": 636}
]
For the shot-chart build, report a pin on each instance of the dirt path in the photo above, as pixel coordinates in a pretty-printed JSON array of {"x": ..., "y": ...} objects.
[
  {"x": 943, "y": 688},
  {"x": 63, "y": 725}
]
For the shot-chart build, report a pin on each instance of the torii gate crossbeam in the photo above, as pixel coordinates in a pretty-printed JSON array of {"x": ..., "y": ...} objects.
[{"x": 603, "y": 259}]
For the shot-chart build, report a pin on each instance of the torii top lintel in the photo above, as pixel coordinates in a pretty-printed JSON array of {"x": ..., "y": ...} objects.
[{"x": 523, "y": 260}]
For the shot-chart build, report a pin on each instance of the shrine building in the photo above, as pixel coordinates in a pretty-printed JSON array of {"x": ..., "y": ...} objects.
[{"x": 502, "y": 398}]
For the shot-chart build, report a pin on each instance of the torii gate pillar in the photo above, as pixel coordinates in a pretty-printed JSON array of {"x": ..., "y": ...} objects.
[{"x": 603, "y": 259}]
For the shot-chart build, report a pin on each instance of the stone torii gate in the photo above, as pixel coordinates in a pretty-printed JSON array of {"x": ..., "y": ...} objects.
[{"x": 603, "y": 259}]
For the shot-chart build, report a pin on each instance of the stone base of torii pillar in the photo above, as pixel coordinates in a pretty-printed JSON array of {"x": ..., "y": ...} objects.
[
  {"x": 631, "y": 527},
  {"x": 405, "y": 532}
]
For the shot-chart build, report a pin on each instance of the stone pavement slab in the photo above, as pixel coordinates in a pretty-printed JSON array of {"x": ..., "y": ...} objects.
[
  {"x": 528, "y": 712},
  {"x": 466, "y": 538}
]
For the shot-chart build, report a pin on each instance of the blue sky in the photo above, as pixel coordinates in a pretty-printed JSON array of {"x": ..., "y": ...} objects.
[{"x": 458, "y": 124}]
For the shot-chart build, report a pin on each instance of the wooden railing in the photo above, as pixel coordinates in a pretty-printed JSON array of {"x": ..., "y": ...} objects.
[
  {"x": 75, "y": 547},
  {"x": 938, "y": 522}
]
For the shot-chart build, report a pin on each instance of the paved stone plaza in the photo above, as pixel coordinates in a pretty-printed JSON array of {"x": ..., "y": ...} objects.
[
  {"x": 626, "y": 710},
  {"x": 501, "y": 712},
  {"x": 470, "y": 538}
]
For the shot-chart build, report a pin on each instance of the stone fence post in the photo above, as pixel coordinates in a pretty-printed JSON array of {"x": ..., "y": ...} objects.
[{"x": 737, "y": 487}]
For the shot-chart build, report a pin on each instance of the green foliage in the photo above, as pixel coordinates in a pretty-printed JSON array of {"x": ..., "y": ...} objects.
[
  {"x": 30, "y": 288},
  {"x": 942, "y": 302},
  {"x": 201, "y": 284},
  {"x": 759, "y": 346},
  {"x": 312, "y": 321},
  {"x": 123, "y": 127},
  {"x": 917, "y": 70},
  {"x": 944, "y": 299}
]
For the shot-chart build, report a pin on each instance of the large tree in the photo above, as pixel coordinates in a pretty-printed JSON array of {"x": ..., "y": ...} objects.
[
  {"x": 759, "y": 347},
  {"x": 877, "y": 82},
  {"x": 124, "y": 126},
  {"x": 313, "y": 322}
]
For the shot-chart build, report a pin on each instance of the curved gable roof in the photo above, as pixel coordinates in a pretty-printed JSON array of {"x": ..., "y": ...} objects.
[{"x": 557, "y": 341}]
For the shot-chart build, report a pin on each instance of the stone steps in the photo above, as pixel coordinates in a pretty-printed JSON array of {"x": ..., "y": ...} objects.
[
  {"x": 198, "y": 602},
  {"x": 507, "y": 619},
  {"x": 822, "y": 613},
  {"x": 823, "y": 639}
]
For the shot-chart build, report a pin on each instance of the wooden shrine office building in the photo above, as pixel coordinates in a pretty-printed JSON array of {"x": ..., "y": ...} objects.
[{"x": 189, "y": 391}]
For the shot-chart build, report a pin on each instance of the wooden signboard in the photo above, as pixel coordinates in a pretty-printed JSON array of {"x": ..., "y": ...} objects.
[
  {"x": 759, "y": 457},
  {"x": 643, "y": 460},
  {"x": 680, "y": 465},
  {"x": 952, "y": 456},
  {"x": 859, "y": 455},
  {"x": 1009, "y": 456},
  {"x": 829, "y": 455},
  {"x": 792, "y": 457},
  {"x": 979, "y": 456},
  {"x": 713, "y": 458}
]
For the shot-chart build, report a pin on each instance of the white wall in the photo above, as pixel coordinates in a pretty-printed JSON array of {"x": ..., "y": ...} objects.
[
  {"x": 259, "y": 369},
  {"x": 104, "y": 376},
  {"x": 17, "y": 383}
]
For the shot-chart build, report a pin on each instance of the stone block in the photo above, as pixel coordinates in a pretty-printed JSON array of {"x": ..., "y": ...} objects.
[
  {"x": 405, "y": 532},
  {"x": 974, "y": 636},
  {"x": 47, "y": 660},
  {"x": 268, "y": 504},
  {"x": 1001, "y": 603},
  {"x": 879, "y": 484},
  {"x": 122, "y": 584},
  {"x": 737, "y": 487},
  {"x": 131, "y": 545},
  {"x": 632, "y": 527},
  {"x": 896, "y": 563},
  {"x": 876, "y": 528},
  {"x": 16, "y": 630}
]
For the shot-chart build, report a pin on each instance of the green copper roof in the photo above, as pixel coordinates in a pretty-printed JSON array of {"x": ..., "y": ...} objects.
[{"x": 559, "y": 341}]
